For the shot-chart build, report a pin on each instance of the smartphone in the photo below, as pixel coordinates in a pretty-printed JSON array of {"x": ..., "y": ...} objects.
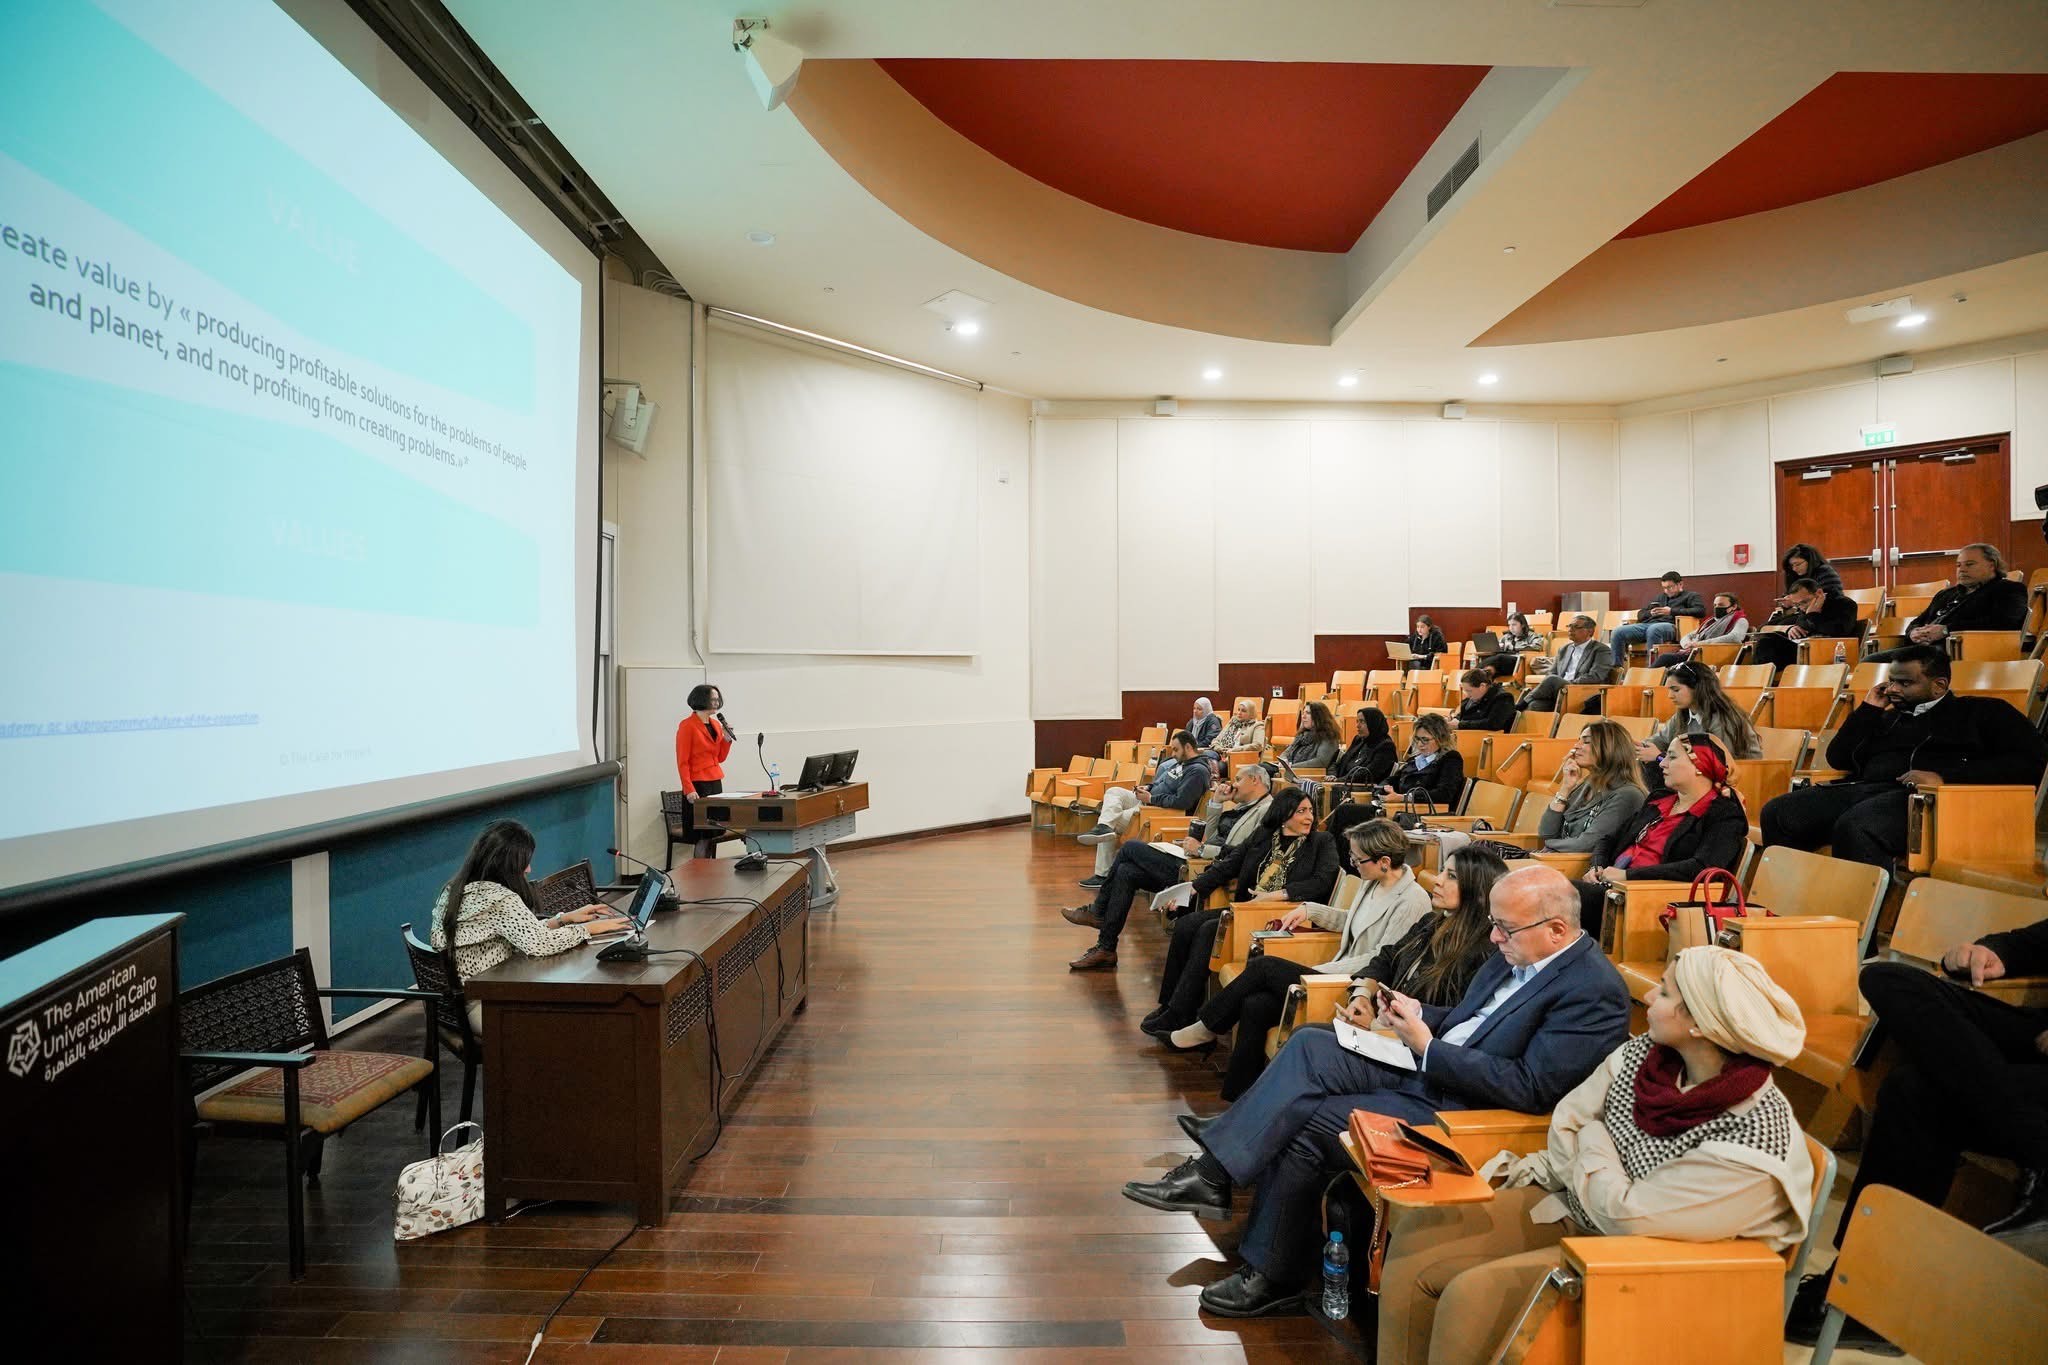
[{"x": 1272, "y": 933}]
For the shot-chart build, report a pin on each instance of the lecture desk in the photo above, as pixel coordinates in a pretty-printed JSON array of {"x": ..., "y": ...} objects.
[{"x": 599, "y": 1077}]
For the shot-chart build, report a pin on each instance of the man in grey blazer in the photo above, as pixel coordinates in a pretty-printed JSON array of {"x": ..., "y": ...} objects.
[{"x": 1585, "y": 660}]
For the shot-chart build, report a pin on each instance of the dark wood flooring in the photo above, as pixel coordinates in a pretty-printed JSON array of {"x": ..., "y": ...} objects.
[{"x": 925, "y": 1168}]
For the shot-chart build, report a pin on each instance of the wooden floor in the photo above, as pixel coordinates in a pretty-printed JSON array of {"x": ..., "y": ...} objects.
[{"x": 926, "y": 1168}]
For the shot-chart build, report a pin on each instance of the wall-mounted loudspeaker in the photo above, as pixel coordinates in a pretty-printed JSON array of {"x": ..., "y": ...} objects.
[
  {"x": 1165, "y": 407},
  {"x": 1894, "y": 364},
  {"x": 1454, "y": 412}
]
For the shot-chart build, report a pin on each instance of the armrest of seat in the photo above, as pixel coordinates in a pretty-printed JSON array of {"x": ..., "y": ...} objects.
[
  {"x": 1479, "y": 1133},
  {"x": 1667, "y": 1256},
  {"x": 1572, "y": 865},
  {"x": 1959, "y": 823},
  {"x": 1315, "y": 999},
  {"x": 1638, "y": 937},
  {"x": 1308, "y": 946},
  {"x": 2028, "y": 991},
  {"x": 376, "y": 993},
  {"x": 288, "y": 1061},
  {"x": 1515, "y": 769}
]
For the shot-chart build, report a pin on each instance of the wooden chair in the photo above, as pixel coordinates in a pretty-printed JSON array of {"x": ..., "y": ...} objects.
[
  {"x": 1639, "y": 728},
  {"x": 1976, "y": 835},
  {"x": 1933, "y": 1285},
  {"x": 1258, "y": 705},
  {"x": 1719, "y": 653},
  {"x": 1154, "y": 734},
  {"x": 2017, "y": 681},
  {"x": 1343, "y": 678},
  {"x": 1758, "y": 781},
  {"x": 1936, "y": 916},
  {"x": 1820, "y": 649},
  {"x": 1986, "y": 645},
  {"x": 1802, "y": 696},
  {"x": 675, "y": 811},
  {"x": 1314, "y": 692},
  {"x": 1910, "y": 599},
  {"x": 1314, "y": 999},
  {"x": 1283, "y": 721},
  {"x": 1532, "y": 759},
  {"x": 1613, "y": 1299},
  {"x": 1889, "y": 632},
  {"x": 1493, "y": 802},
  {"x": 572, "y": 888},
  {"x": 1869, "y": 602},
  {"x": 1475, "y": 747},
  {"x": 434, "y": 972},
  {"x": 267, "y": 1021},
  {"x": 1632, "y": 696},
  {"x": 1121, "y": 750},
  {"x": 1745, "y": 675},
  {"x": 1785, "y": 745},
  {"x": 1537, "y": 724},
  {"x": 1862, "y": 678}
]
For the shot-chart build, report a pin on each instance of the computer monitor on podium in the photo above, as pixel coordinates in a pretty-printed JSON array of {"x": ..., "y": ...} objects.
[{"x": 841, "y": 771}]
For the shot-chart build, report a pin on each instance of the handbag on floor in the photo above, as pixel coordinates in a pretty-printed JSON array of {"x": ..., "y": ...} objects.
[{"x": 444, "y": 1191}]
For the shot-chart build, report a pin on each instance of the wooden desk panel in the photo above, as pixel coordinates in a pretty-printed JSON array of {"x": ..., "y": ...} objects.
[
  {"x": 599, "y": 1074},
  {"x": 756, "y": 812}
]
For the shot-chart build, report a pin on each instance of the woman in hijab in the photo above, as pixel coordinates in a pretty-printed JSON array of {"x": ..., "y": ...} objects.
[
  {"x": 1680, "y": 1133},
  {"x": 1692, "y": 822}
]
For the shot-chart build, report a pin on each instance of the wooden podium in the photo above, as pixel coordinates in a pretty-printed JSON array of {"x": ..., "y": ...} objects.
[{"x": 792, "y": 822}]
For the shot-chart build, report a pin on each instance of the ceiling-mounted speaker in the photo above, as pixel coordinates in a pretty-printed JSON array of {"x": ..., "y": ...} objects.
[
  {"x": 1894, "y": 364},
  {"x": 772, "y": 64},
  {"x": 1166, "y": 407},
  {"x": 1454, "y": 412}
]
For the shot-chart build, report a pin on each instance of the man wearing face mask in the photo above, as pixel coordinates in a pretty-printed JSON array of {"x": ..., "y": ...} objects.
[
  {"x": 1727, "y": 626},
  {"x": 1910, "y": 731},
  {"x": 1983, "y": 598}
]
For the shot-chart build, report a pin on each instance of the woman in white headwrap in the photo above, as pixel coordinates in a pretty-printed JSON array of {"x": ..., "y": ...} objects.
[{"x": 1680, "y": 1133}]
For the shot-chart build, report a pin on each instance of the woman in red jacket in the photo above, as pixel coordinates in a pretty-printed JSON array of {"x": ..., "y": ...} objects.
[{"x": 702, "y": 742}]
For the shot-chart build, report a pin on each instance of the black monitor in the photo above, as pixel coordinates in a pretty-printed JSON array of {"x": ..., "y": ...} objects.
[
  {"x": 645, "y": 897},
  {"x": 841, "y": 771},
  {"x": 816, "y": 770}
]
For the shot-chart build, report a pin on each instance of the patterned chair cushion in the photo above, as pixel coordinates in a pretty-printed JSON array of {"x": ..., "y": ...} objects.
[{"x": 335, "y": 1091}]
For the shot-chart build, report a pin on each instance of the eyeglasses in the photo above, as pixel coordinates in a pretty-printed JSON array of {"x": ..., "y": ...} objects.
[{"x": 1506, "y": 932}]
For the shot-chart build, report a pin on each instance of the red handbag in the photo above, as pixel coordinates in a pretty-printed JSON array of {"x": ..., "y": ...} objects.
[{"x": 1702, "y": 918}]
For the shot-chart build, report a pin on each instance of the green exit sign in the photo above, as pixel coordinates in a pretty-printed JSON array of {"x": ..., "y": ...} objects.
[{"x": 1884, "y": 435}]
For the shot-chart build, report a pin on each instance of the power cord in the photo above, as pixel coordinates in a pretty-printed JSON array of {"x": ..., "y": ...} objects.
[{"x": 563, "y": 1302}]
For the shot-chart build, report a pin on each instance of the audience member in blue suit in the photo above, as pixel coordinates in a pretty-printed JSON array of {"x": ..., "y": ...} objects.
[{"x": 1537, "y": 1020}]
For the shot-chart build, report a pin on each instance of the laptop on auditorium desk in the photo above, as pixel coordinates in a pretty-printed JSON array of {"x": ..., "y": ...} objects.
[{"x": 639, "y": 910}]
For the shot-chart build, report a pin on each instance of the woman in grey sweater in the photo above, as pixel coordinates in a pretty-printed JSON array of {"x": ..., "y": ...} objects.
[
  {"x": 1599, "y": 793},
  {"x": 1317, "y": 742}
]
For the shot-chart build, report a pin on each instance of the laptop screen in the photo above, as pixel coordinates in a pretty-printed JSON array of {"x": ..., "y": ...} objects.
[{"x": 641, "y": 909}]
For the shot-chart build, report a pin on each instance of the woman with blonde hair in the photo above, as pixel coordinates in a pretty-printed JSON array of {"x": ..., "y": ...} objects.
[
  {"x": 1433, "y": 766},
  {"x": 1597, "y": 794},
  {"x": 1680, "y": 1133}
]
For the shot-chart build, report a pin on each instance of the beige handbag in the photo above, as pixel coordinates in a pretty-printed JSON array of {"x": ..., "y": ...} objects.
[{"x": 444, "y": 1191}]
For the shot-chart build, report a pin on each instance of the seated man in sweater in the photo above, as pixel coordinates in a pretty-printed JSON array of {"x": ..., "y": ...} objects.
[
  {"x": 1972, "y": 1076},
  {"x": 1484, "y": 704},
  {"x": 1140, "y": 867},
  {"x": 1908, "y": 732},
  {"x": 1536, "y": 1021},
  {"x": 1983, "y": 598},
  {"x": 1808, "y": 611},
  {"x": 1178, "y": 783},
  {"x": 1657, "y": 623}
]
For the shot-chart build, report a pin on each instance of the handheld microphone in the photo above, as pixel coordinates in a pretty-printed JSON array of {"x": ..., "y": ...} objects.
[
  {"x": 668, "y": 900},
  {"x": 729, "y": 732}
]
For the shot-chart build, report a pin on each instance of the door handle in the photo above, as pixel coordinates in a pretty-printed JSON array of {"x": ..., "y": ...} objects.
[{"x": 1922, "y": 554}]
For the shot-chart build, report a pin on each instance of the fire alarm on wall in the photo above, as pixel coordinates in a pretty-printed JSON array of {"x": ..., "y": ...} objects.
[{"x": 1741, "y": 555}]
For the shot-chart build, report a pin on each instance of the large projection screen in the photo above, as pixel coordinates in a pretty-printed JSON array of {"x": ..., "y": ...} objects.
[{"x": 298, "y": 393}]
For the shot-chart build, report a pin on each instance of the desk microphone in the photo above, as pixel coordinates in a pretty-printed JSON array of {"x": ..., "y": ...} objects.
[
  {"x": 668, "y": 900},
  {"x": 761, "y": 755}
]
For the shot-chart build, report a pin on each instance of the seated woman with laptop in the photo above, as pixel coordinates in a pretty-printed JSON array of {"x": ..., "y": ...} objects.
[{"x": 487, "y": 909}]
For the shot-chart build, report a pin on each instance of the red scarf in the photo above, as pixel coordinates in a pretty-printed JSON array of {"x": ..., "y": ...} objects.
[{"x": 1663, "y": 1110}]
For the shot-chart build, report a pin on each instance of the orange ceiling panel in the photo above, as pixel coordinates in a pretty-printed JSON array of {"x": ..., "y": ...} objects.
[
  {"x": 1281, "y": 154},
  {"x": 1854, "y": 129}
]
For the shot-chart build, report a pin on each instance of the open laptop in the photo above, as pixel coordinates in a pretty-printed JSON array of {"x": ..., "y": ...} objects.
[
  {"x": 1485, "y": 642},
  {"x": 638, "y": 910}
]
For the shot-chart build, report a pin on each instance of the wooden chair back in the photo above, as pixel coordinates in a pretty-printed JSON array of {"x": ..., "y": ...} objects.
[
  {"x": 1925, "y": 589},
  {"x": 1985, "y": 644},
  {"x": 1539, "y": 621},
  {"x": 1121, "y": 751},
  {"x": 435, "y": 971},
  {"x": 1348, "y": 677},
  {"x": 1869, "y": 602},
  {"x": 1634, "y": 696},
  {"x": 1351, "y": 693},
  {"x": 1746, "y": 675},
  {"x": 1815, "y": 677},
  {"x": 1905, "y": 606},
  {"x": 572, "y": 888},
  {"x": 1531, "y": 758},
  {"x": 1937, "y": 916},
  {"x": 1790, "y": 881},
  {"x": 1933, "y": 1285},
  {"x": 1494, "y": 802},
  {"x": 1542, "y": 724},
  {"x": 1758, "y": 780},
  {"x": 1314, "y": 692},
  {"x": 1785, "y": 743},
  {"x": 1283, "y": 719},
  {"x": 1639, "y": 727},
  {"x": 2013, "y": 680},
  {"x": 271, "y": 1007},
  {"x": 1258, "y": 705},
  {"x": 1609, "y": 620},
  {"x": 1473, "y": 746}
]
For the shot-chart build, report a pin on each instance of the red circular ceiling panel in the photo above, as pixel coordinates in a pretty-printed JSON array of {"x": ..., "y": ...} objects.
[
  {"x": 1856, "y": 128},
  {"x": 1281, "y": 154}
]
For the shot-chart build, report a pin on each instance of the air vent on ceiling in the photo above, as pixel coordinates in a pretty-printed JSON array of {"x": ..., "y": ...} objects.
[{"x": 1461, "y": 171}]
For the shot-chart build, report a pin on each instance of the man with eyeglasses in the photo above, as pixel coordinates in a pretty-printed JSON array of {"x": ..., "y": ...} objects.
[
  {"x": 1536, "y": 1021},
  {"x": 1587, "y": 659}
]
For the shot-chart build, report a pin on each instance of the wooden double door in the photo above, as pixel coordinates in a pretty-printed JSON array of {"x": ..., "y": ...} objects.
[{"x": 1899, "y": 515}]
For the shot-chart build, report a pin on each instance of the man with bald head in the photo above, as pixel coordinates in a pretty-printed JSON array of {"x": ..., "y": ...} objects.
[{"x": 1536, "y": 1021}]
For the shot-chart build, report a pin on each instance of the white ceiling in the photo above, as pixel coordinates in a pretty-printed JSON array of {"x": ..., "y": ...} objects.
[{"x": 650, "y": 98}]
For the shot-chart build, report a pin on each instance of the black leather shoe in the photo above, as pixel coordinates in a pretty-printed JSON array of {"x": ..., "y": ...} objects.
[
  {"x": 1194, "y": 1125},
  {"x": 1248, "y": 1294},
  {"x": 1810, "y": 1312},
  {"x": 1094, "y": 883},
  {"x": 1154, "y": 1019},
  {"x": 1184, "y": 1190},
  {"x": 1083, "y": 915},
  {"x": 2029, "y": 1212}
]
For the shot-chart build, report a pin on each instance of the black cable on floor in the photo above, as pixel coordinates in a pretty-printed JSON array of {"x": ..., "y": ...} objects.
[{"x": 563, "y": 1302}]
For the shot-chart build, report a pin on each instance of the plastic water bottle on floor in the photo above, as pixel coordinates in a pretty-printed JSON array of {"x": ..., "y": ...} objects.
[{"x": 1336, "y": 1278}]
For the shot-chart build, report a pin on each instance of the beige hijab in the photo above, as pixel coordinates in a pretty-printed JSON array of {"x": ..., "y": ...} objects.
[{"x": 1737, "y": 1006}]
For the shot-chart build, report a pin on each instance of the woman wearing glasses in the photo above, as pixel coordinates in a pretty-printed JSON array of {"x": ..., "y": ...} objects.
[
  {"x": 1680, "y": 1133},
  {"x": 1693, "y": 821}
]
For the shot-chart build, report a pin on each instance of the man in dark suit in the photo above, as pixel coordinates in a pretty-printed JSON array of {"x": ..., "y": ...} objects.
[
  {"x": 1909, "y": 731},
  {"x": 1972, "y": 1077},
  {"x": 1809, "y": 610},
  {"x": 1983, "y": 598},
  {"x": 1585, "y": 660},
  {"x": 1537, "y": 1020}
]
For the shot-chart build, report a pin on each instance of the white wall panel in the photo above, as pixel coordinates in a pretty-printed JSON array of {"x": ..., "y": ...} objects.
[
  {"x": 1654, "y": 464},
  {"x": 2029, "y": 431},
  {"x": 1821, "y": 421},
  {"x": 1166, "y": 565},
  {"x": 1528, "y": 500},
  {"x": 1360, "y": 550},
  {"x": 1936, "y": 405},
  {"x": 1453, "y": 513},
  {"x": 1588, "y": 501},
  {"x": 1731, "y": 487},
  {"x": 1074, "y": 569},
  {"x": 1258, "y": 621}
]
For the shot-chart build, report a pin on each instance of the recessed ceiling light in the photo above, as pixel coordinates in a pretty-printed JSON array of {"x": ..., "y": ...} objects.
[
  {"x": 1212, "y": 374},
  {"x": 1911, "y": 320},
  {"x": 1720, "y": 360},
  {"x": 829, "y": 289},
  {"x": 1347, "y": 381},
  {"x": 1489, "y": 378},
  {"x": 967, "y": 327},
  {"x": 1507, "y": 251},
  {"x": 760, "y": 238}
]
